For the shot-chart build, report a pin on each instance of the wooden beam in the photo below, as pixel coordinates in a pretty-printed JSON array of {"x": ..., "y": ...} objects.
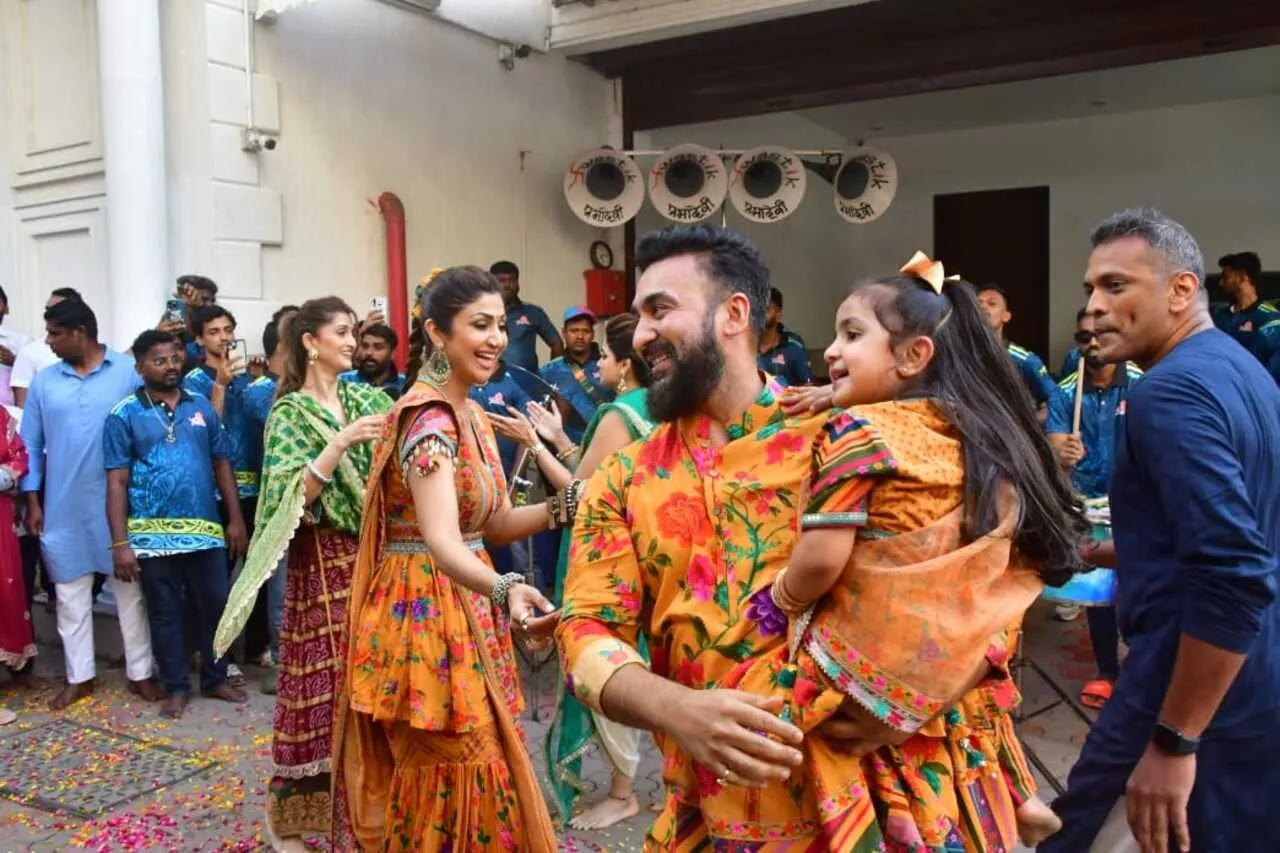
[{"x": 903, "y": 47}]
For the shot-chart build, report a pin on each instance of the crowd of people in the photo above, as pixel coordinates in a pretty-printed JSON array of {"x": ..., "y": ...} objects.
[{"x": 810, "y": 595}]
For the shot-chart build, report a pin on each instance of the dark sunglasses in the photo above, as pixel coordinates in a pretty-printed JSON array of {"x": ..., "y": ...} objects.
[{"x": 1085, "y": 337}]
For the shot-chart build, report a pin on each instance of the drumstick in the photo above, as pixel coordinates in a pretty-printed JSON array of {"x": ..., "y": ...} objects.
[{"x": 1075, "y": 421}]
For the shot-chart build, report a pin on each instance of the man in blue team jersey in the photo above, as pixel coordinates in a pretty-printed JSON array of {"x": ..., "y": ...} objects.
[
  {"x": 782, "y": 353},
  {"x": 525, "y": 322},
  {"x": 1036, "y": 378},
  {"x": 1247, "y": 314}
]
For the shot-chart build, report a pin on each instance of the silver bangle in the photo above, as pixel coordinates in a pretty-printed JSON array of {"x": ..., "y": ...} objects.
[
  {"x": 315, "y": 472},
  {"x": 502, "y": 590}
]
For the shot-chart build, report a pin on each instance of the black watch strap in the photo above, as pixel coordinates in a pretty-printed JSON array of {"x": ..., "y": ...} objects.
[{"x": 1170, "y": 741}]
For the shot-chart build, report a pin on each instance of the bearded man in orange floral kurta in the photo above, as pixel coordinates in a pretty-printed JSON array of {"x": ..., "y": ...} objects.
[{"x": 680, "y": 537}]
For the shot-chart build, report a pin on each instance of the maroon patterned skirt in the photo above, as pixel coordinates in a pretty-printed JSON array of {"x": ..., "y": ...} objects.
[{"x": 312, "y": 660}]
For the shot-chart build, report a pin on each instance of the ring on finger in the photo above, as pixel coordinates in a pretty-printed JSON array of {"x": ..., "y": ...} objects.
[
  {"x": 524, "y": 622},
  {"x": 725, "y": 778}
]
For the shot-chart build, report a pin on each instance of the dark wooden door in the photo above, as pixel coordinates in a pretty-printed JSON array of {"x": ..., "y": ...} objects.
[{"x": 1001, "y": 237}]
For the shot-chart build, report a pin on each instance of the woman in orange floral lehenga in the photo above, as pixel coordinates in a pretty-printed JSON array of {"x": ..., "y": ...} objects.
[{"x": 427, "y": 753}]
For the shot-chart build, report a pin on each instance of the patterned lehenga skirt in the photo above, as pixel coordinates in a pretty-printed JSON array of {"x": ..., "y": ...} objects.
[{"x": 312, "y": 661}]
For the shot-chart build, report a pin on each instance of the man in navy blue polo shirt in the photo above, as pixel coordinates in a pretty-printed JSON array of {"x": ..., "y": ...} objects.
[
  {"x": 166, "y": 457},
  {"x": 525, "y": 323},
  {"x": 1089, "y": 456},
  {"x": 1246, "y": 315},
  {"x": 1189, "y": 739},
  {"x": 1036, "y": 378},
  {"x": 782, "y": 352},
  {"x": 576, "y": 374},
  {"x": 375, "y": 361}
]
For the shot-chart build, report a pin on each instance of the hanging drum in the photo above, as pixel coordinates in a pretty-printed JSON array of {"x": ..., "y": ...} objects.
[
  {"x": 865, "y": 184},
  {"x": 767, "y": 184},
  {"x": 688, "y": 183},
  {"x": 604, "y": 188}
]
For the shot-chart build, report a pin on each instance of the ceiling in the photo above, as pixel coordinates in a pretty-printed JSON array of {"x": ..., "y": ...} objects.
[
  {"x": 1221, "y": 77},
  {"x": 895, "y": 48}
]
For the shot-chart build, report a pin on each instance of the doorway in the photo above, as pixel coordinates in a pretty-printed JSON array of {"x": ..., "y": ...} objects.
[{"x": 1001, "y": 237}]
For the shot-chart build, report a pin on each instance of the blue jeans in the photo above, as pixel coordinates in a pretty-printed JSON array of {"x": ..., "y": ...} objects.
[
  {"x": 202, "y": 577},
  {"x": 275, "y": 605}
]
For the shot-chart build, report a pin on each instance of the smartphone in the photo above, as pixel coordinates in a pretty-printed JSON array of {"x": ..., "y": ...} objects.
[
  {"x": 175, "y": 311},
  {"x": 379, "y": 304},
  {"x": 237, "y": 353}
]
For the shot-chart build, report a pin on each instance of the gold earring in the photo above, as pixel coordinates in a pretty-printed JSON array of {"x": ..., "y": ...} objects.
[
  {"x": 438, "y": 368},
  {"x": 622, "y": 384},
  {"x": 313, "y": 356}
]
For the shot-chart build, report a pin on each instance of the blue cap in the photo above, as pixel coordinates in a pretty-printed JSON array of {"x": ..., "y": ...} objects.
[{"x": 575, "y": 311}]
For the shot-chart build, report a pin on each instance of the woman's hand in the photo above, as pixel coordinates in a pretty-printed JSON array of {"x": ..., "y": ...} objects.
[
  {"x": 524, "y": 603},
  {"x": 547, "y": 422},
  {"x": 359, "y": 431},
  {"x": 517, "y": 427}
]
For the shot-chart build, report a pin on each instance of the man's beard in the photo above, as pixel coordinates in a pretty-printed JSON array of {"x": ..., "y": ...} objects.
[
  {"x": 371, "y": 369},
  {"x": 692, "y": 376}
]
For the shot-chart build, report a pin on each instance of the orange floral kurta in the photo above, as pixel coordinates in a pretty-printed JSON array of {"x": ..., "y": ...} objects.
[{"x": 680, "y": 539}]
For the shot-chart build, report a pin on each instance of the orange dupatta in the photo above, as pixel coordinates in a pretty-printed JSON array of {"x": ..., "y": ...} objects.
[
  {"x": 362, "y": 761},
  {"x": 914, "y": 615}
]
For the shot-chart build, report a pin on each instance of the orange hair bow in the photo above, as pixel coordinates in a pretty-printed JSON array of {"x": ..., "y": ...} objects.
[{"x": 931, "y": 271}]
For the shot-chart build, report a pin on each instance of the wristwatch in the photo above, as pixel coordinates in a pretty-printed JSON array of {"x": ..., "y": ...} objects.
[{"x": 1170, "y": 741}]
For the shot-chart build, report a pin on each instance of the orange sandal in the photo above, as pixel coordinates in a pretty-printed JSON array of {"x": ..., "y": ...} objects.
[{"x": 1096, "y": 694}]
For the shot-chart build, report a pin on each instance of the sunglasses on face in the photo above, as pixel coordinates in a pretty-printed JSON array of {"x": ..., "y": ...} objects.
[{"x": 1085, "y": 337}]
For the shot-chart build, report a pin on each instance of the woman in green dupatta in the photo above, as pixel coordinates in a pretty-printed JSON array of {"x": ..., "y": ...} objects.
[
  {"x": 615, "y": 425},
  {"x": 315, "y": 464}
]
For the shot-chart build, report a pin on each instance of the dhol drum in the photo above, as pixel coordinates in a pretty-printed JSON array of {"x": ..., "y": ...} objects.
[{"x": 1098, "y": 587}]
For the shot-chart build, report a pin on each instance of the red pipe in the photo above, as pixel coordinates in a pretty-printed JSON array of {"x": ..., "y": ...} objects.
[{"x": 397, "y": 278}]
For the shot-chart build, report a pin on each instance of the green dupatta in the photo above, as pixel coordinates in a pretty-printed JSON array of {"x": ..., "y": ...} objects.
[
  {"x": 573, "y": 729},
  {"x": 297, "y": 431}
]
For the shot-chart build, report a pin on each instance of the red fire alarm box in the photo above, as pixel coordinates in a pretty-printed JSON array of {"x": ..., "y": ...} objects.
[{"x": 606, "y": 292}]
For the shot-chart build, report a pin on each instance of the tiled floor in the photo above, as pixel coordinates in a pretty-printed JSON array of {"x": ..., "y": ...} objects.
[{"x": 219, "y": 807}]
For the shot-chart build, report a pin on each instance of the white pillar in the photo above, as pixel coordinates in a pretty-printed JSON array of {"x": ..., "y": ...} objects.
[{"x": 133, "y": 141}]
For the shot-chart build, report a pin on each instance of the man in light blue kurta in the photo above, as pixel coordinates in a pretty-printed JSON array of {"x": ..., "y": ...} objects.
[{"x": 67, "y": 406}]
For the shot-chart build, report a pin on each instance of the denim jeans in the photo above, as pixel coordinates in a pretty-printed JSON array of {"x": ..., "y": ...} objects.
[
  {"x": 201, "y": 578},
  {"x": 275, "y": 605}
]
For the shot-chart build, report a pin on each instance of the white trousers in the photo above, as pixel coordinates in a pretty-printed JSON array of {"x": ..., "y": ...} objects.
[{"x": 75, "y": 627}]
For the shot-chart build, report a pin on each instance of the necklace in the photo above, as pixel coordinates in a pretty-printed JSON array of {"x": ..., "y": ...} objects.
[{"x": 170, "y": 427}]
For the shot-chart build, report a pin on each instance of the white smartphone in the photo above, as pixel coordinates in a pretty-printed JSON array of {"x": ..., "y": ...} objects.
[
  {"x": 379, "y": 304},
  {"x": 237, "y": 354}
]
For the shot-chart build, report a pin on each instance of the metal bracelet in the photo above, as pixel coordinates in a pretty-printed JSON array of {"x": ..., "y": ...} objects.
[
  {"x": 315, "y": 472},
  {"x": 502, "y": 590}
]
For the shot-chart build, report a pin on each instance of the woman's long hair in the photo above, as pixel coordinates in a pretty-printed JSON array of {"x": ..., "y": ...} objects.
[
  {"x": 445, "y": 295},
  {"x": 309, "y": 319},
  {"x": 974, "y": 382},
  {"x": 619, "y": 334}
]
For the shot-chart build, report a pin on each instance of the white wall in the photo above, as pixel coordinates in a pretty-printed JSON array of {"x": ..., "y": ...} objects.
[
  {"x": 1214, "y": 167},
  {"x": 373, "y": 98},
  {"x": 802, "y": 251}
]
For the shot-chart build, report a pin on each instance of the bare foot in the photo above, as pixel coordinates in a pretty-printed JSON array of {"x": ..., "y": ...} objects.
[
  {"x": 30, "y": 681},
  {"x": 174, "y": 706},
  {"x": 147, "y": 690},
  {"x": 606, "y": 813},
  {"x": 70, "y": 694},
  {"x": 227, "y": 693},
  {"x": 1036, "y": 822}
]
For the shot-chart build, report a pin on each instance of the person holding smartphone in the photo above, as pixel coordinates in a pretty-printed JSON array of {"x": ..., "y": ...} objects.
[{"x": 224, "y": 380}]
